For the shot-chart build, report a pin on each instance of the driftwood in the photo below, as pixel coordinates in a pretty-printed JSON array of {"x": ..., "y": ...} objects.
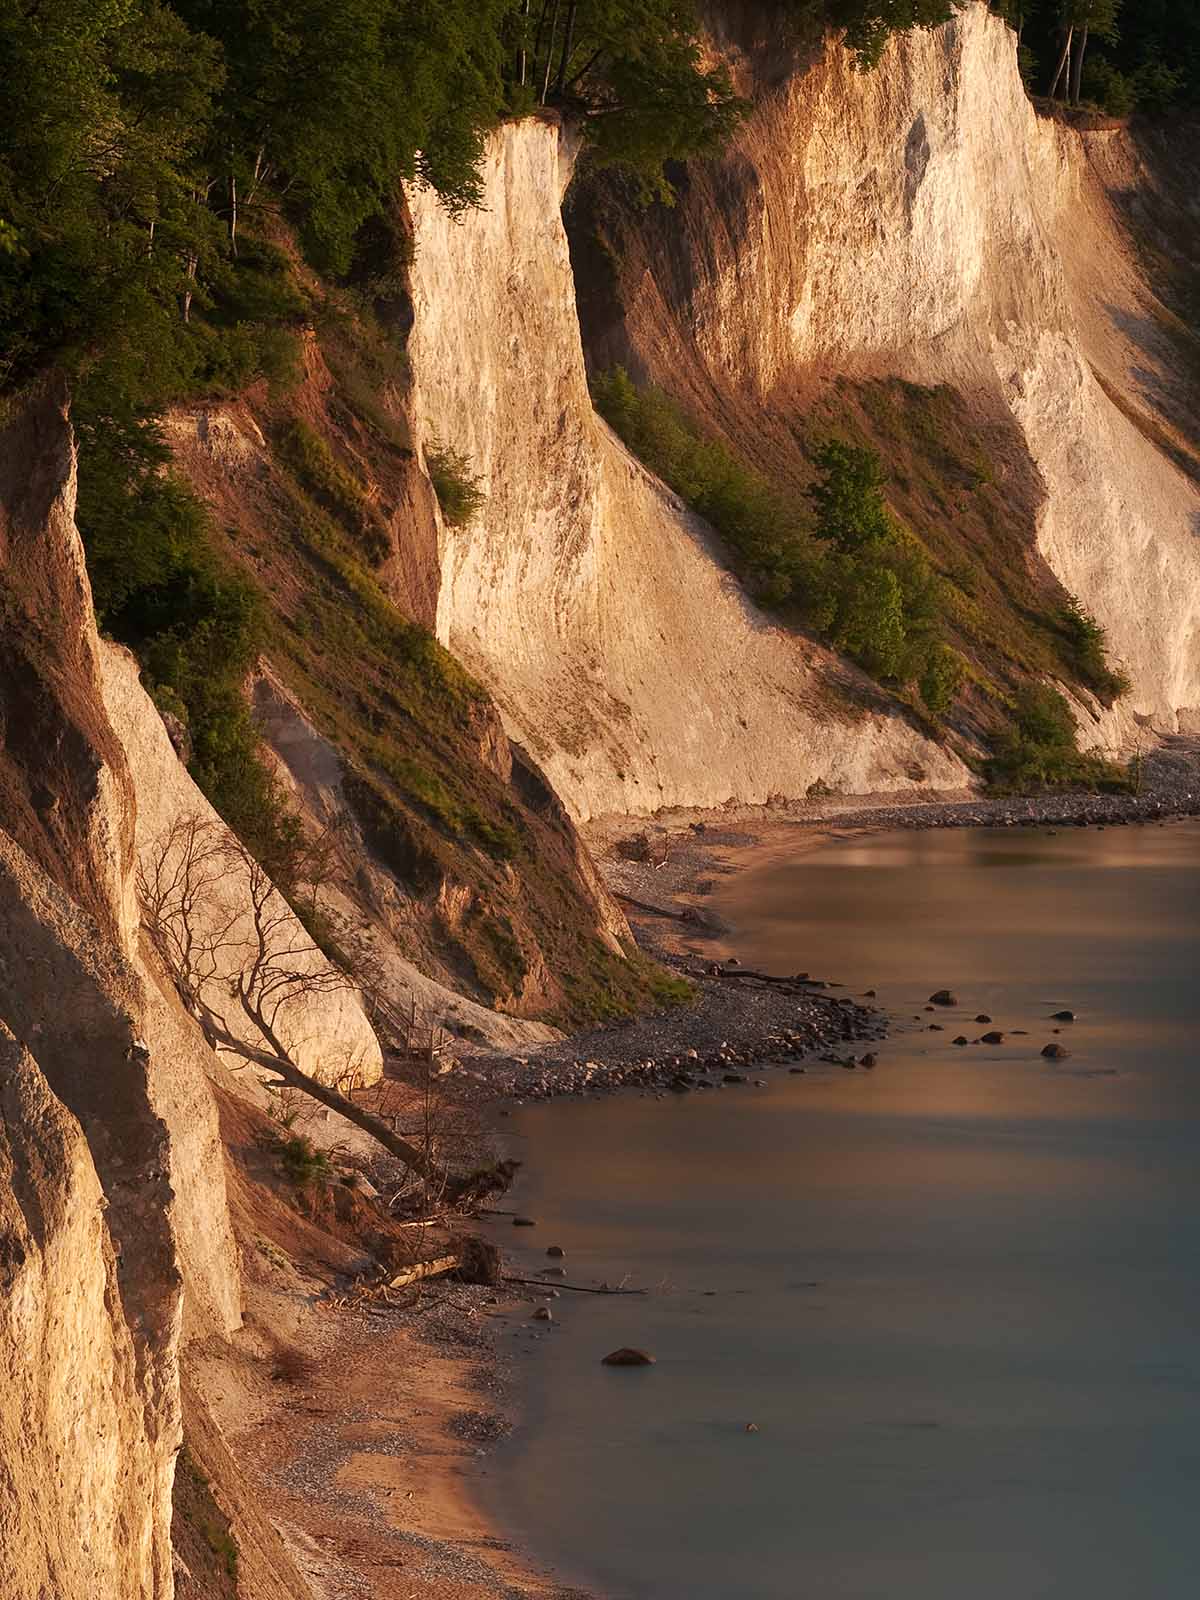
[
  {"x": 437, "y": 1268},
  {"x": 800, "y": 984},
  {"x": 654, "y": 911},
  {"x": 692, "y": 915},
  {"x": 579, "y": 1288}
]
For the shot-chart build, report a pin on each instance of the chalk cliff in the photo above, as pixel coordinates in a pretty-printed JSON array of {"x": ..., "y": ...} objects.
[
  {"x": 920, "y": 223},
  {"x": 592, "y": 604},
  {"x": 924, "y": 221}
]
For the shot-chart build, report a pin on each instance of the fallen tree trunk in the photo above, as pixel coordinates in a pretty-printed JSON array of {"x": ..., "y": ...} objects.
[
  {"x": 644, "y": 905},
  {"x": 800, "y": 983},
  {"x": 437, "y": 1268}
]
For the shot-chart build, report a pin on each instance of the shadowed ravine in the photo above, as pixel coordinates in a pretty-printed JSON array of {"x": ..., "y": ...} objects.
[{"x": 957, "y": 1295}]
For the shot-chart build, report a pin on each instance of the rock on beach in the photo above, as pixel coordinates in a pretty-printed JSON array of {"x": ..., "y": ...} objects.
[{"x": 628, "y": 1356}]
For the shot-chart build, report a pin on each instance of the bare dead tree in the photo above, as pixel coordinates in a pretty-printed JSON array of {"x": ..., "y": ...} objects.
[{"x": 240, "y": 961}]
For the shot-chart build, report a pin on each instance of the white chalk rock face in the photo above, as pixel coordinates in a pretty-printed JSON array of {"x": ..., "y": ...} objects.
[
  {"x": 69, "y": 942},
  {"x": 922, "y": 220},
  {"x": 598, "y": 612},
  {"x": 322, "y": 1023},
  {"x": 88, "y": 1433}
]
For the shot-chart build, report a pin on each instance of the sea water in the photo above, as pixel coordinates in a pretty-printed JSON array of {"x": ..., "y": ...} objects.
[{"x": 957, "y": 1297}]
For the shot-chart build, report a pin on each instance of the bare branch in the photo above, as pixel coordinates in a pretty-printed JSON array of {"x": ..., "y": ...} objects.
[{"x": 221, "y": 928}]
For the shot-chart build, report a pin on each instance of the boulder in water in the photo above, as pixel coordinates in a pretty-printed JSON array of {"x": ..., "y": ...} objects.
[{"x": 627, "y": 1356}]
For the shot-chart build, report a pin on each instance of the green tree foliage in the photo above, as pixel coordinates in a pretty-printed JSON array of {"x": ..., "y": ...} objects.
[
  {"x": 867, "y": 25},
  {"x": 869, "y": 622},
  {"x": 103, "y": 106},
  {"x": 1109, "y": 88},
  {"x": 848, "y": 497},
  {"x": 941, "y": 678},
  {"x": 846, "y": 568},
  {"x": 1113, "y": 56},
  {"x": 1040, "y": 749},
  {"x": 335, "y": 100},
  {"x": 882, "y": 600},
  {"x": 632, "y": 72}
]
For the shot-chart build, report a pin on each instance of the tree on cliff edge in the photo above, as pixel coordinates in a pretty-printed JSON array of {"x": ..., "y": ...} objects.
[
  {"x": 632, "y": 73},
  {"x": 1079, "y": 21},
  {"x": 240, "y": 962},
  {"x": 867, "y": 25}
]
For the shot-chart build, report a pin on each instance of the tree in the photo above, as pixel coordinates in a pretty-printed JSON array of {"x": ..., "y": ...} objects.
[
  {"x": 1078, "y": 21},
  {"x": 870, "y": 624},
  {"x": 867, "y": 25},
  {"x": 104, "y": 105},
  {"x": 941, "y": 679},
  {"x": 330, "y": 102},
  {"x": 1014, "y": 12},
  {"x": 1091, "y": 17},
  {"x": 1152, "y": 61},
  {"x": 1067, "y": 34},
  {"x": 851, "y": 513},
  {"x": 632, "y": 73},
  {"x": 241, "y": 963}
]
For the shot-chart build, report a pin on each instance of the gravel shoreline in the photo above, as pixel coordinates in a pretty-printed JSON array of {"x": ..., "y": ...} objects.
[
  {"x": 730, "y": 1029},
  {"x": 738, "y": 1027}
]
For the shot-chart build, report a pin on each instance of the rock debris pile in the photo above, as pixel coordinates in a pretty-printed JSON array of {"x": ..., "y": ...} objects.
[{"x": 735, "y": 1023}]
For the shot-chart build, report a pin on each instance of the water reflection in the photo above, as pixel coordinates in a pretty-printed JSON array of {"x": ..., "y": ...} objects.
[{"x": 958, "y": 1295}]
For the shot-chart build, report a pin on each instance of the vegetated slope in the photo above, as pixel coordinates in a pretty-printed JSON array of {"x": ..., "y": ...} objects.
[
  {"x": 457, "y": 862},
  {"x": 598, "y": 611},
  {"x": 923, "y": 224}
]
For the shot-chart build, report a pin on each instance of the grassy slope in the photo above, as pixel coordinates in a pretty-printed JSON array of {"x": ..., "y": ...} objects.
[
  {"x": 969, "y": 493},
  {"x": 490, "y": 861}
]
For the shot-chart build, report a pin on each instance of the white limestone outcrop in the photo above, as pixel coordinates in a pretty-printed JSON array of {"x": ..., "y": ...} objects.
[
  {"x": 920, "y": 220},
  {"x": 89, "y": 1424},
  {"x": 595, "y": 608},
  {"x": 923, "y": 220}
]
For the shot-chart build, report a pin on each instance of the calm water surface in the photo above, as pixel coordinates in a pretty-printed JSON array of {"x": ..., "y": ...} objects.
[{"x": 959, "y": 1296}]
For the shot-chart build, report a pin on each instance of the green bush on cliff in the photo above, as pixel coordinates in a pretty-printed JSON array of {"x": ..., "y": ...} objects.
[
  {"x": 941, "y": 679},
  {"x": 457, "y": 488},
  {"x": 1087, "y": 647},
  {"x": 767, "y": 531},
  {"x": 882, "y": 601},
  {"x": 1040, "y": 749},
  {"x": 846, "y": 569}
]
